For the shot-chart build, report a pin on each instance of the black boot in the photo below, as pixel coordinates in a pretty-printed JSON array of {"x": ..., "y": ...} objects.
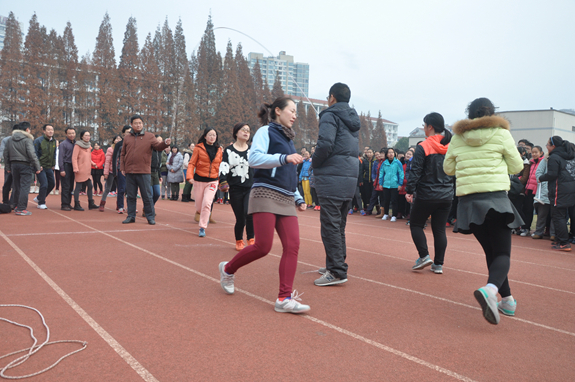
[
  {"x": 92, "y": 205},
  {"x": 77, "y": 206},
  {"x": 175, "y": 197},
  {"x": 186, "y": 198}
]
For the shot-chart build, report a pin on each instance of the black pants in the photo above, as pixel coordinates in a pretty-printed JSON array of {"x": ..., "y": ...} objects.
[
  {"x": 175, "y": 188},
  {"x": 402, "y": 205},
  {"x": 528, "y": 209},
  {"x": 333, "y": 218},
  {"x": 67, "y": 185},
  {"x": 376, "y": 200},
  {"x": 22, "y": 177},
  {"x": 453, "y": 213},
  {"x": 144, "y": 183},
  {"x": 356, "y": 201},
  {"x": 517, "y": 202},
  {"x": 97, "y": 177},
  {"x": 495, "y": 238},
  {"x": 314, "y": 197},
  {"x": 7, "y": 187},
  {"x": 82, "y": 186},
  {"x": 559, "y": 218},
  {"x": 366, "y": 191},
  {"x": 390, "y": 199},
  {"x": 239, "y": 198},
  {"x": 422, "y": 209}
]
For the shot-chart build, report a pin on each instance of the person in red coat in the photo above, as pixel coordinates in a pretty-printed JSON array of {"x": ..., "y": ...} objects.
[{"x": 98, "y": 161}]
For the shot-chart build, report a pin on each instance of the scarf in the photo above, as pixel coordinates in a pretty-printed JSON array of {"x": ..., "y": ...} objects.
[
  {"x": 171, "y": 161},
  {"x": 84, "y": 145},
  {"x": 288, "y": 131}
]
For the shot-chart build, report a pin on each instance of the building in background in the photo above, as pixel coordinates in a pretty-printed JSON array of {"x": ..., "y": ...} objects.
[
  {"x": 3, "y": 22},
  {"x": 390, "y": 130},
  {"x": 538, "y": 125},
  {"x": 294, "y": 76}
]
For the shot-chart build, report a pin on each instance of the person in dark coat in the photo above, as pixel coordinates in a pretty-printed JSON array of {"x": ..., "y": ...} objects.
[
  {"x": 561, "y": 178},
  {"x": 336, "y": 170}
]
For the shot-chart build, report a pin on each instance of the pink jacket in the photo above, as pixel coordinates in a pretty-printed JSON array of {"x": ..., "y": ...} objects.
[
  {"x": 108, "y": 163},
  {"x": 532, "y": 181},
  {"x": 82, "y": 164}
]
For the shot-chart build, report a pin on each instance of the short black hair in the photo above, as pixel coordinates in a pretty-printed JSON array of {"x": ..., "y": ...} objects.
[
  {"x": 16, "y": 127},
  {"x": 24, "y": 125},
  {"x": 480, "y": 107},
  {"x": 46, "y": 125},
  {"x": 68, "y": 128},
  {"x": 136, "y": 116},
  {"x": 526, "y": 142},
  {"x": 125, "y": 128},
  {"x": 340, "y": 92}
]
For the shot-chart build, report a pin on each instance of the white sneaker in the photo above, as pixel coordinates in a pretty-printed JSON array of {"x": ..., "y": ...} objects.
[
  {"x": 35, "y": 199},
  {"x": 42, "y": 206},
  {"x": 226, "y": 280},
  {"x": 290, "y": 305},
  {"x": 385, "y": 217},
  {"x": 120, "y": 210},
  {"x": 36, "y": 190},
  {"x": 57, "y": 192},
  {"x": 393, "y": 219}
]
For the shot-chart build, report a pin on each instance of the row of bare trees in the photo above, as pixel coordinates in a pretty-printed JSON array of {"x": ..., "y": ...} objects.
[{"x": 44, "y": 80}]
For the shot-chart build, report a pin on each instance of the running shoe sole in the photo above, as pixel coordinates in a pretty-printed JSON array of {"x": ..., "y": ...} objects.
[{"x": 491, "y": 315}]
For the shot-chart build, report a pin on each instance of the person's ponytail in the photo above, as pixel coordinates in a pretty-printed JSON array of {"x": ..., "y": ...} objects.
[
  {"x": 264, "y": 113},
  {"x": 447, "y": 138}
]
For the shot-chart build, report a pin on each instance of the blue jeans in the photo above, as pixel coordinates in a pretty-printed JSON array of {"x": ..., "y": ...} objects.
[
  {"x": 121, "y": 181},
  {"x": 142, "y": 182},
  {"x": 155, "y": 193},
  {"x": 47, "y": 182}
]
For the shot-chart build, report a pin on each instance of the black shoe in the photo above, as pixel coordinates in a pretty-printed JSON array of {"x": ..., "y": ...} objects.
[
  {"x": 151, "y": 222},
  {"x": 93, "y": 206},
  {"x": 78, "y": 207},
  {"x": 66, "y": 208},
  {"x": 129, "y": 220}
]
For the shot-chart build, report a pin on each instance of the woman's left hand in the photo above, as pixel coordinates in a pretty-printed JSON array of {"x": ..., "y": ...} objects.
[
  {"x": 409, "y": 198},
  {"x": 302, "y": 207}
]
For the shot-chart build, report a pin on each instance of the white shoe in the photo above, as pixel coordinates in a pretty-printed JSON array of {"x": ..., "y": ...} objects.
[
  {"x": 385, "y": 217},
  {"x": 42, "y": 206},
  {"x": 393, "y": 219},
  {"x": 290, "y": 305},
  {"x": 226, "y": 280},
  {"x": 57, "y": 192},
  {"x": 36, "y": 199},
  {"x": 36, "y": 190}
]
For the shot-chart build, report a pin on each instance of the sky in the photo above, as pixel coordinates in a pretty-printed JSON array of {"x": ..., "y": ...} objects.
[{"x": 404, "y": 58}]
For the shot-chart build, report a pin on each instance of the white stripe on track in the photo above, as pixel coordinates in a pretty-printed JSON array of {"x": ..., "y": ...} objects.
[{"x": 130, "y": 360}]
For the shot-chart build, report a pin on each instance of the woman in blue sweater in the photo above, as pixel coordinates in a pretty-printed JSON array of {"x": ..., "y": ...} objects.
[{"x": 391, "y": 179}]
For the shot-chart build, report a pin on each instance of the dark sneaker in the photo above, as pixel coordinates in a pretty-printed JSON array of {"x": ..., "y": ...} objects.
[
  {"x": 487, "y": 299},
  {"x": 437, "y": 269},
  {"x": 202, "y": 232},
  {"x": 507, "y": 307},
  {"x": 328, "y": 279},
  {"x": 421, "y": 263},
  {"x": 129, "y": 220},
  {"x": 559, "y": 247},
  {"x": 290, "y": 305}
]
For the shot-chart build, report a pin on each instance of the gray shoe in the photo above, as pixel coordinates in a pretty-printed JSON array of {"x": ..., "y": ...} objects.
[
  {"x": 328, "y": 279},
  {"x": 438, "y": 269},
  {"x": 487, "y": 298},
  {"x": 422, "y": 263},
  {"x": 226, "y": 280},
  {"x": 322, "y": 271}
]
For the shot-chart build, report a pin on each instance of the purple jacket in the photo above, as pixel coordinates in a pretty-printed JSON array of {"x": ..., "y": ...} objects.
[{"x": 65, "y": 153}]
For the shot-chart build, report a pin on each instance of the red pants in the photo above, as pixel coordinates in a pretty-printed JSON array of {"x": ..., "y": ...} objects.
[{"x": 288, "y": 230}]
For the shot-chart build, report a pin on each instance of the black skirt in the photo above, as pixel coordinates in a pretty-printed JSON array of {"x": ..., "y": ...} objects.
[{"x": 473, "y": 208}]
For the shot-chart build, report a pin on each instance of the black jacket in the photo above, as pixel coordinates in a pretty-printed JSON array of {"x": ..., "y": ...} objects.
[
  {"x": 426, "y": 177},
  {"x": 335, "y": 161},
  {"x": 561, "y": 177},
  {"x": 366, "y": 168}
]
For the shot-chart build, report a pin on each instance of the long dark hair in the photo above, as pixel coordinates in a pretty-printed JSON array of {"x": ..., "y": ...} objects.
[
  {"x": 436, "y": 121},
  {"x": 558, "y": 141},
  {"x": 267, "y": 112},
  {"x": 203, "y": 136}
]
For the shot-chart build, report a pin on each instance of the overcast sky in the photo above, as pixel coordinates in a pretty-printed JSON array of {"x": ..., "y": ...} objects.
[{"x": 405, "y": 58}]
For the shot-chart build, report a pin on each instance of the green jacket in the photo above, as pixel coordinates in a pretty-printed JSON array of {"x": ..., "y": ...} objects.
[
  {"x": 163, "y": 167},
  {"x": 482, "y": 155},
  {"x": 45, "y": 151}
]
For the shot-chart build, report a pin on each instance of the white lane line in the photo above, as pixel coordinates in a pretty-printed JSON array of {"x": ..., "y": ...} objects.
[
  {"x": 313, "y": 319},
  {"x": 145, "y": 374},
  {"x": 85, "y": 232},
  {"x": 455, "y": 269}
]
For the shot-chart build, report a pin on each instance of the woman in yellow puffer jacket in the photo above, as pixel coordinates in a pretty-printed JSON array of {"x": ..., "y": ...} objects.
[{"x": 482, "y": 155}]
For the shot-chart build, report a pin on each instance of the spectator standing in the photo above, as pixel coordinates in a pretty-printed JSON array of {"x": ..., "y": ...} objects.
[
  {"x": 304, "y": 178},
  {"x": 542, "y": 204},
  {"x": 82, "y": 164},
  {"x": 7, "y": 186},
  {"x": 65, "y": 151},
  {"x": 390, "y": 179},
  {"x": 45, "y": 147},
  {"x": 175, "y": 173},
  {"x": 98, "y": 159},
  {"x": 109, "y": 175},
  {"x": 116, "y": 166},
  {"x": 187, "y": 193},
  {"x": 165, "y": 187},
  {"x": 21, "y": 161}
]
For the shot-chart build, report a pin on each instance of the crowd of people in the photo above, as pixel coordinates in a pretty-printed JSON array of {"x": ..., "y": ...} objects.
[{"x": 476, "y": 180}]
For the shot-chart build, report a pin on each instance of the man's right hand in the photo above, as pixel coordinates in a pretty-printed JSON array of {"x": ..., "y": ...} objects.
[
  {"x": 294, "y": 158},
  {"x": 62, "y": 173}
]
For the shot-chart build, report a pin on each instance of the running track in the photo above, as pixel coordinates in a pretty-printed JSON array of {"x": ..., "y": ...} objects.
[{"x": 148, "y": 302}]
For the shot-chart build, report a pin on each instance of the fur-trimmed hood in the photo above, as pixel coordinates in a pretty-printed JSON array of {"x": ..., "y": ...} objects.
[
  {"x": 18, "y": 135},
  {"x": 478, "y": 131}
]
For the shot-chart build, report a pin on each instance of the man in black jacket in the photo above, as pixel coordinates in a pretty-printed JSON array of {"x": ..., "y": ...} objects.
[{"x": 336, "y": 170}]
